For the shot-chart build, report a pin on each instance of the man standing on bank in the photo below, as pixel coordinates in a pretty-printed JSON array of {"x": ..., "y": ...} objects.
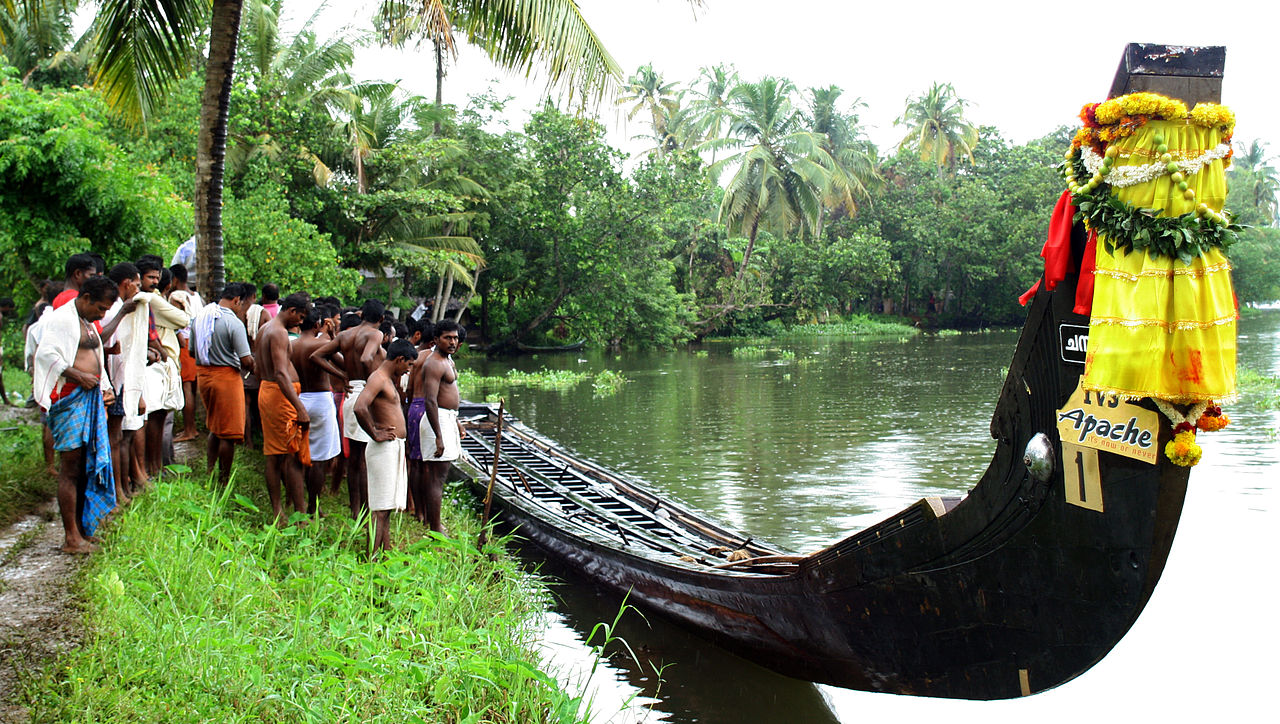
[
  {"x": 285, "y": 420},
  {"x": 221, "y": 347},
  {"x": 71, "y": 382},
  {"x": 441, "y": 436},
  {"x": 310, "y": 353},
  {"x": 361, "y": 349},
  {"x": 378, "y": 412}
]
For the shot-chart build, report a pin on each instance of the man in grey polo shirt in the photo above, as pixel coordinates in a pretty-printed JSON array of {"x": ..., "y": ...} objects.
[{"x": 222, "y": 350}]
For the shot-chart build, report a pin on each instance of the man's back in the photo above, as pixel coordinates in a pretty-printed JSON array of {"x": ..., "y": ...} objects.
[
  {"x": 310, "y": 374},
  {"x": 361, "y": 348}
]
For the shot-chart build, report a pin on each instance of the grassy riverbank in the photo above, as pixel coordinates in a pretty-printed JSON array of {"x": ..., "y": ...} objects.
[
  {"x": 199, "y": 610},
  {"x": 24, "y": 483}
]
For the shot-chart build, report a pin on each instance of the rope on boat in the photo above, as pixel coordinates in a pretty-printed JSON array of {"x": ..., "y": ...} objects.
[{"x": 760, "y": 560}]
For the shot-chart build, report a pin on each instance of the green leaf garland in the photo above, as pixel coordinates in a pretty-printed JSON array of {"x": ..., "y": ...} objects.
[{"x": 1126, "y": 227}]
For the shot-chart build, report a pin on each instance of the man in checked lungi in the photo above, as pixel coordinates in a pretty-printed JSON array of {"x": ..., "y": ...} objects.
[{"x": 70, "y": 381}]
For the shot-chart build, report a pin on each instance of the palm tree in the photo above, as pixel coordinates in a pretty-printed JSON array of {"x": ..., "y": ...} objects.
[
  {"x": 709, "y": 108},
  {"x": 648, "y": 92},
  {"x": 518, "y": 35},
  {"x": 854, "y": 155},
  {"x": 32, "y": 33},
  {"x": 372, "y": 117},
  {"x": 1252, "y": 173},
  {"x": 783, "y": 171},
  {"x": 937, "y": 129}
]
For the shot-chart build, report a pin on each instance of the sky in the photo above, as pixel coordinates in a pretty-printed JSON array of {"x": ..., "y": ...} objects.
[{"x": 1024, "y": 67}]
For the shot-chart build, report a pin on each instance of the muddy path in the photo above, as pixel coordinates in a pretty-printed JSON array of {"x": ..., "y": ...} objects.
[
  {"x": 40, "y": 612},
  {"x": 39, "y": 615}
]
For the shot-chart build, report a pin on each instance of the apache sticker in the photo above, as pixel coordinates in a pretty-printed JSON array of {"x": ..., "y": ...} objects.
[
  {"x": 1073, "y": 342},
  {"x": 1095, "y": 421}
]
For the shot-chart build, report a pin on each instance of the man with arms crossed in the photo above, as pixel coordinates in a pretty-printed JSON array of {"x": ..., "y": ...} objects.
[
  {"x": 440, "y": 433},
  {"x": 377, "y": 410},
  {"x": 361, "y": 348},
  {"x": 71, "y": 382},
  {"x": 285, "y": 440},
  {"x": 315, "y": 372}
]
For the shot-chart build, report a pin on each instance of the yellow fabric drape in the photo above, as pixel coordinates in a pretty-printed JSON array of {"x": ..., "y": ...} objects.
[{"x": 1161, "y": 328}]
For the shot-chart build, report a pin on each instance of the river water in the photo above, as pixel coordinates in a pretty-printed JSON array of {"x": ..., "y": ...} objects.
[{"x": 811, "y": 439}]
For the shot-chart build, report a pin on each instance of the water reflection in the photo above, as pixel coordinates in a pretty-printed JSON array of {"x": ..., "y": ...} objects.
[{"x": 802, "y": 451}]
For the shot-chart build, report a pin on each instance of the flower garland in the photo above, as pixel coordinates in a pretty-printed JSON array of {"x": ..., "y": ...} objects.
[
  {"x": 1123, "y": 116},
  {"x": 1182, "y": 449},
  {"x": 1212, "y": 420},
  {"x": 1139, "y": 104},
  {"x": 1133, "y": 175},
  {"x": 1127, "y": 227}
]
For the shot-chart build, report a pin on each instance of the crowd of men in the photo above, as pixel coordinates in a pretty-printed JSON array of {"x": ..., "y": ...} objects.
[{"x": 335, "y": 394}]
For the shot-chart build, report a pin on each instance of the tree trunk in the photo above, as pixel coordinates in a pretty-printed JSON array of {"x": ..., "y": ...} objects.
[
  {"x": 543, "y": 316},
  {"x": 435, "y": 127},
  {"x": 435, "y": 306},
  {"x": 211, "y": 144},
  {"x": 448, "y": 294},
  {"x": 475, "y": 283},
  {"x": 751, "y": 242}
]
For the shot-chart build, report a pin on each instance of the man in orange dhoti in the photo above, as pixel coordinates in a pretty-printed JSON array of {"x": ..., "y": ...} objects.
[
  {"x": 221, "y": 350},
  {"x": 284, "y": 417}
]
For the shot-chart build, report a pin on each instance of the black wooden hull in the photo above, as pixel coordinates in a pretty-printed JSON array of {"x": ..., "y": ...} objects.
[{"x": 1011, "y": 591}]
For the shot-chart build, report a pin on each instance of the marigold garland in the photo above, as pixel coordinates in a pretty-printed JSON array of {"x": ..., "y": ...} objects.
[
  {"x": 1183, "y": 449},
  {"x": 1111, "y": 120},
  {"x": 1212, "y": 420}
]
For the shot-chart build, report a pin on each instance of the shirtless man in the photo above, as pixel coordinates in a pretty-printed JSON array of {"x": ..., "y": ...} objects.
[
  {"x": 422, "y": 336},
  {"x": 311, "y": 353},
  {"x": 378, "y": 412},
  {"x": 347, "y": 320},
  {"x": 70, "y": 381},
  {"x": 285, "y": 421},
  {"x": 361, "y": 349},
  {"x": 440, "y": 432}
]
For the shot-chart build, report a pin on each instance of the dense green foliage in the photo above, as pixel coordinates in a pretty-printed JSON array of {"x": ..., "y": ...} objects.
[
  {"x": 758, "y": 204},
  {"x": 295, "y": 624},
  {"x": 66, "y": 188}
]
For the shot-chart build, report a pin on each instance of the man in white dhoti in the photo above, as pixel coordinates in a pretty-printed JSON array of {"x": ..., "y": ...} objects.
[{"x": 380, "y": 416}]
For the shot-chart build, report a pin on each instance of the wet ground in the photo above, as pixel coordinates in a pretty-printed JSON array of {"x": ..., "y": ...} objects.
[{"x": 39, "y": 615}]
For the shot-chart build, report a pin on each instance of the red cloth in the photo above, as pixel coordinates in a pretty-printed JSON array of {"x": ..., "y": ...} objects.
[
  {"x": 1084, "y": 287},
  {"x": 64, "y": 296},
  {"x": 1057, "y": 257}
]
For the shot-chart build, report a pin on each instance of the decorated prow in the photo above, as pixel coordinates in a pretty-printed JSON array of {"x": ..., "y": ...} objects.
[{"x": 1145, "y": 176}]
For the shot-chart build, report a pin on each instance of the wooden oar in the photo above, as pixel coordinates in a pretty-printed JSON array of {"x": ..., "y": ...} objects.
[{"x": 493, "y": 476}]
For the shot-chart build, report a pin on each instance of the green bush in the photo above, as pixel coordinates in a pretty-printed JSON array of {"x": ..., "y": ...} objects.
[{"x": 265, "y": 244}]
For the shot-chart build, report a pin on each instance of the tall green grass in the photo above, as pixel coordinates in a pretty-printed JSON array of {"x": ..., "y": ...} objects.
[
  {"x": 199, "y": 610},
  {"x": 859, "y": 324},
  {"x": 490, "y": 387},
  {"x": 24, "y": 482}
]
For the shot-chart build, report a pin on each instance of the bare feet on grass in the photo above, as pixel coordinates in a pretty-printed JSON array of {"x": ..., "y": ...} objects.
[{"x": 79, "y": 547}]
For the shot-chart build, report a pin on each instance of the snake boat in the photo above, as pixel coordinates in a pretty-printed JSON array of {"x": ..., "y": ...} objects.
[{"x": 1019, "y": 586}]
